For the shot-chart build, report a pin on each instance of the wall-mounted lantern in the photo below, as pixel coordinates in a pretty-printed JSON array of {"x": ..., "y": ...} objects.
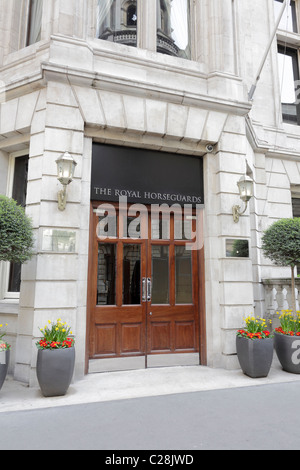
[
  {"x": 65, "y": 171},
  {"x": 245, "y": 185}
]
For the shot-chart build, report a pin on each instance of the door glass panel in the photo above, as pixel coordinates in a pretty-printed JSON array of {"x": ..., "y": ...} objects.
[
  {"x": 160, "y": 274},
  {"x": 132, "y": 227},
  {"x": 183, "y": 229},
  {"x": 106, "y": 278},
  {"x": 160, "y": 228},
  {"x": 107, "y": 226},
  {"x": 132, "y": 275},
  {"x": 183, "y": 275}
]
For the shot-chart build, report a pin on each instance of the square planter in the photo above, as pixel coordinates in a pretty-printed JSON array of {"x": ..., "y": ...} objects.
[
  {"x": 288, "y": 351},
  {"x": 55, "y": 370},
  {"x": 4, "y": 362},
  {"x": 2, "y": 358},
  {"x": 255, "y": 356}
]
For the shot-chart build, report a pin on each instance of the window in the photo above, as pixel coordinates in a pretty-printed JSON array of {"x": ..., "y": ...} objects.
[
  {"x": 296, "y": 206},
  {"x": 34, "y": 27},
  {"x": 289, "y": 83},
  {"x": 173, "y": 29},
  {"x": 118, "y": 21},
  {"x": 289, "y": 19},
  {"x": 296, "y": 213},
  {"x": 19, "y": 192}
]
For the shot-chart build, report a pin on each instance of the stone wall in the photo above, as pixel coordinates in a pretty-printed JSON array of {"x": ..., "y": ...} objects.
[{"x": 71, "y": 89}]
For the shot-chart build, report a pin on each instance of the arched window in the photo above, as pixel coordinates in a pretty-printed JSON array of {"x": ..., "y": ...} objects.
[{"x": 131, "y": 15}]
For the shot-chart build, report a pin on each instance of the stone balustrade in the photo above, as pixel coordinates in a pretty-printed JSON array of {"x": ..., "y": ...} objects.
[{"x": 278, "y": 296}]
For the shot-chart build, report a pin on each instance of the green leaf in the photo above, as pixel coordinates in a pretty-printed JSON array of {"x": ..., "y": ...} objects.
[
  {"x": 16, "y": 232},
  {"x": 281, "y": 242}
]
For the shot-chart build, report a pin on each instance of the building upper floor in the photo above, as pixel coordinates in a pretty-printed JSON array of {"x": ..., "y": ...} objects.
[{"x": 193, "y": 48}]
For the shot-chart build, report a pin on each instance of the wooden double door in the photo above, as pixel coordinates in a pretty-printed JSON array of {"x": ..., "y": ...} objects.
[{"x": 144, "y": 285}]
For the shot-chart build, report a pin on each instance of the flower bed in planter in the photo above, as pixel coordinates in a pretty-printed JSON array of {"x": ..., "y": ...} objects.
[
  {"x": 254, "y": 346},
  {"x": 56, "y": 359},
  {"x": 54, "y": 370},
  {"x": 287, "y": 341}
]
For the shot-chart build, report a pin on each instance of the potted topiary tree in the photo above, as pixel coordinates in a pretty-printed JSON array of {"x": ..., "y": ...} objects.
[
  {"x": 16, "y": 243},
  {"x": 281, "y": 244},
  {"x": 16, "y": 235}
]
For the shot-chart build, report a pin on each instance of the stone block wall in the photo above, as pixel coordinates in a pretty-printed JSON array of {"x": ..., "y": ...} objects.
[{"x": 71, "y": 89}]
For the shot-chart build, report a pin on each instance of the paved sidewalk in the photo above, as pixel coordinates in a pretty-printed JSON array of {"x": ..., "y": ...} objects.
[
  {"x": 113, "y": 386},
  {"x": 262, "y": 417}
]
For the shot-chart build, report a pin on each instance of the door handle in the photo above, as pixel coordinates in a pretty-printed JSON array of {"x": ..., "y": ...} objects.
[
  {"x": 144, "y": 290},
  {"x": 149, "y": 289}
]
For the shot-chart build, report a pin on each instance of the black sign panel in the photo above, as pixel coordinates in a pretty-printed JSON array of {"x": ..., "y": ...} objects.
[{"x": 145, "y": 176}]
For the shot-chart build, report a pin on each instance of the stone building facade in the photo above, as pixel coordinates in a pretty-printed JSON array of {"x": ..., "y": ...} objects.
[{"x": 146, "y": 90}]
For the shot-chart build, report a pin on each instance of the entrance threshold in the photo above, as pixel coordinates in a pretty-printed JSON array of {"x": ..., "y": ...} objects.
[{"x": 138, "y": 362}]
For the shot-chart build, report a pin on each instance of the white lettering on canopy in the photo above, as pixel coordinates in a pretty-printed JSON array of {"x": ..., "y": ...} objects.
[{"x": 147, "y": 195}]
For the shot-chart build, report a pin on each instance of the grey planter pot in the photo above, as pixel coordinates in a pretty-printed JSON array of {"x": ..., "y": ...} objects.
[
  {"x": 255, "y": 356},
  {"x": 55, "y": 370},
  {"x": 288, "y": 351},
  {"x": 4, "y": 368}
]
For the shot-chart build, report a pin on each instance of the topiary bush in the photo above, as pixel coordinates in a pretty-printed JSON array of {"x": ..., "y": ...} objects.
[
  {"x": 281, "y": 244},
  {"x": 16, "y": 233}
]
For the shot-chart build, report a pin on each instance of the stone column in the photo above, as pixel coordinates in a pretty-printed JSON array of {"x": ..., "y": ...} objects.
[
  {"x": 221, "y": 36},
  {"x": 147, "y": 24},
  {"x": 54, "y": 283},
  {"x": 229, "y": 288}
]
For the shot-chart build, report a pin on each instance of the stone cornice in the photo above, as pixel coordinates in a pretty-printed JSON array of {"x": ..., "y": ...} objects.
[
  {"x": 55, "y": 72},
  {"x": 257, "y": 144},
  {"x": 266, "y": 147},
  {"x": 53, "y": 69},
  {"x": 22, "y": 86}
]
